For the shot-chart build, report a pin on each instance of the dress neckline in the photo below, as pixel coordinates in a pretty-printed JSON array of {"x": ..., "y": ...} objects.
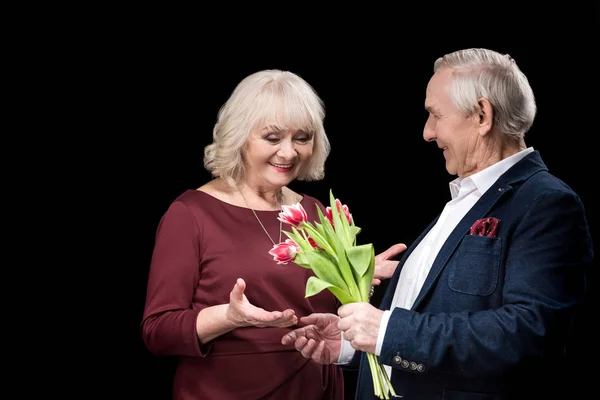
[{"x": 240, "y": 207}]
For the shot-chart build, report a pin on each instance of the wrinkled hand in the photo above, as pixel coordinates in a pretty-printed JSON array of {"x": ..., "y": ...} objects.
[
  {"x": 360, "y": 325},
  {"x": 242, "y": 313},
  {"x": 384, "y": 268},
  {"x": 318, "y": 339}
]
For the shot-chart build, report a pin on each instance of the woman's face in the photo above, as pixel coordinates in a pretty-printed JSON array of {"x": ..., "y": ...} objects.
[{"x": 275, "y": 157}]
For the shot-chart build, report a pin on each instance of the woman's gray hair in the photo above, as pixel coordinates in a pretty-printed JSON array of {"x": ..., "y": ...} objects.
[
  {"x": 496, "y": 77},
  {"x": 274, "y": 97}
]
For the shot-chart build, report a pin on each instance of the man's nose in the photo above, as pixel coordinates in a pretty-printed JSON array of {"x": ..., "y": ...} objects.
[{"x": 428, "y": 134}]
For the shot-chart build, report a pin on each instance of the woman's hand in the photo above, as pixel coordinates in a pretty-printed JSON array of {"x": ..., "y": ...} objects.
[
  {"x": 241, "y": 313},
  {"x": 384, "y": 267}
]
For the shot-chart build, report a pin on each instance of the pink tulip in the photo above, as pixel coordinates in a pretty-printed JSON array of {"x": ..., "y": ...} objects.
[
  {"x": 284, "y": 252},
  {"x": 294, "y": 215},
  {"x": 339, "y": 206}
]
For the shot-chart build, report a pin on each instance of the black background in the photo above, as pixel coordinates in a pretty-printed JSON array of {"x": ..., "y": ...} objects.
[{"x": 166, "y": 81}]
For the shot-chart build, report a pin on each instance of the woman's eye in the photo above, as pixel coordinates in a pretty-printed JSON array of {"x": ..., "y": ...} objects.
[
  {"x": 272, "y": 140},
  {"x": 303, "y": 139}
]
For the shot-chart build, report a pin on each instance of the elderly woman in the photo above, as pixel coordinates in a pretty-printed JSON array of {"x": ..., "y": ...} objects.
[{"x": 216, "y": 299}]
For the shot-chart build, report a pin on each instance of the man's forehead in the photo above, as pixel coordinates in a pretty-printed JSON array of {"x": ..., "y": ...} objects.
[
  {"x": 440, "y": 80},
  {"x": 431, "y": 99},
  {"x": 438, "y": 86}
]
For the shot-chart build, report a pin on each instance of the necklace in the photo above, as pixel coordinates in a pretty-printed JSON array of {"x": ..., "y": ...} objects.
[{"x": 260, "y": 222}]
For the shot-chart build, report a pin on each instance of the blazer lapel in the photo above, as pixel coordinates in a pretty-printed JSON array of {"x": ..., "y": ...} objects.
[{"x": 386, "y": 302}]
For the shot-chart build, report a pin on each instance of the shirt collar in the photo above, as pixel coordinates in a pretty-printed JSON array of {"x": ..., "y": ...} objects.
[{"x": 485, "y": 178}]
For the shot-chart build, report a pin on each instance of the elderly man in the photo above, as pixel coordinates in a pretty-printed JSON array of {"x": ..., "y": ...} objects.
[{"x": 481, "y": 304}]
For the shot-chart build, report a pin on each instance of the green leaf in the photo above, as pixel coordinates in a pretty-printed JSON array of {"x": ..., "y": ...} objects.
[
  {"x": 324, "y": 220},
  {"x": 354, "y": 230},
  {"x": 319, "y": 227},
  {"x": 326, "y": 270},
  {"x": 361, "y": 257},
  {"x": 330, "y": 234},
  {"x": 302, "y": 260},
  {"x": 366, "y": 281},
  {"x": 346, "y": 226},
  {"x": 299, "y": 239},
  {"x": 315, "y": 285},
  {"x": 346, "y": 270},
  {"x": 320, "y": 240},
  {"x": 337, "y": 221}
]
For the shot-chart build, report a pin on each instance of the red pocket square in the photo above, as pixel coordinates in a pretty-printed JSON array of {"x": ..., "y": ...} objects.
[{"x": 485, "y": 227}]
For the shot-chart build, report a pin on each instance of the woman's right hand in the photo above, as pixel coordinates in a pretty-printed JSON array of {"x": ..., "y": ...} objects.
[
  {"x": 384, "y": 267},
  {"x": 241, "y": 313}
]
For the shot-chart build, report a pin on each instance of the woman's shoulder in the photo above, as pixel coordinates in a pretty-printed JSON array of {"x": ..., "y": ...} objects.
[
  {"x": 204, "y": 197},
  {"x": 292, "y": 197},
  {"x": 307, "y": 201}
]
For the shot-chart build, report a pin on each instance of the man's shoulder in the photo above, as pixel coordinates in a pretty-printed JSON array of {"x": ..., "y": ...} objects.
[
  {"x": 546, "y": 190},
  {"x": 544, "y": 181}
]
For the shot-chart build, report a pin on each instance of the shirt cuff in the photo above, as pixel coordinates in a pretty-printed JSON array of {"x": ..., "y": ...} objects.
[
  {"x": 382, "y": 328},
  {"x": 346, "y": 352}
]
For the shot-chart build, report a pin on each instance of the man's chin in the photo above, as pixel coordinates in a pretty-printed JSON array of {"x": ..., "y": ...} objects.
[{"x": 450, "y": 168}]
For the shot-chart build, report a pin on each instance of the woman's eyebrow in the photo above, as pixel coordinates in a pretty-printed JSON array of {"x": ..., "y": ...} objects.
[{"x": 273, "y": 128}]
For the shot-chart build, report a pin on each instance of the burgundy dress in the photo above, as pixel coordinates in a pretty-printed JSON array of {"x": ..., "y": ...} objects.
[{"x": 202, "y": 246}]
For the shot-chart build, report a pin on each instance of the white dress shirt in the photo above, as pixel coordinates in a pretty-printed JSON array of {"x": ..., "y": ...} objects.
[{"x": 464, "y": 194}]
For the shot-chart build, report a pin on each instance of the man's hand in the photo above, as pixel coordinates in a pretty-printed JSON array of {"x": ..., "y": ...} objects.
[
  {"x": 384, "y": 267},
  {"x": 319, "y": 338},
  {"x": 360, "y": 325}
]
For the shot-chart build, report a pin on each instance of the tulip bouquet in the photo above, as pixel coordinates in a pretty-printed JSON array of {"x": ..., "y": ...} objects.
[{"x": 329, "y": 249}]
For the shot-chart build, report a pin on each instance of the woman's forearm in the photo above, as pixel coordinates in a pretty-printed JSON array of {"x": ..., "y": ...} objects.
[{"x": 212, "y": 322}]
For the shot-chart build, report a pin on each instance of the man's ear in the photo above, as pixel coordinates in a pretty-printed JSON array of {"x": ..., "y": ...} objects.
[{"x": 486, "y": 116}]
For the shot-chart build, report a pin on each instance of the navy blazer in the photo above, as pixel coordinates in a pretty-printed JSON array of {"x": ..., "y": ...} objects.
[{"x": 494, "y": 314}]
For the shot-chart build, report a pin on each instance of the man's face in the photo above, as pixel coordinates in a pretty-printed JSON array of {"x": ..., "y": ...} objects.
[{"x": 456, "y": 134}]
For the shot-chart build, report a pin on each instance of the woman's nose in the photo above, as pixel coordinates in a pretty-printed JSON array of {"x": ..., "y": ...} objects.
[{"x": 287, "y": 149}]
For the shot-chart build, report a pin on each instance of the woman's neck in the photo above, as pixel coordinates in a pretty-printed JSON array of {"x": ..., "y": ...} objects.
[{"x": 261, "y": 198}]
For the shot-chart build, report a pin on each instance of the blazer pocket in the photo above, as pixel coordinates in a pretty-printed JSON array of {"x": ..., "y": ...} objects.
[{"x": 475, "y": 265}]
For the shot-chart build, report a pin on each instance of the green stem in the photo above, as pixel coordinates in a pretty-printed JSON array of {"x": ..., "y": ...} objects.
[
  {"x": 374, "y": 372},
  {"x": 381, "y": 373},
  {"x": 381, "y": 381},
  {"x": 304, "y": 235},
  {"x": 388, "y": 383},
  {"x": 378, "y": 380}
]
